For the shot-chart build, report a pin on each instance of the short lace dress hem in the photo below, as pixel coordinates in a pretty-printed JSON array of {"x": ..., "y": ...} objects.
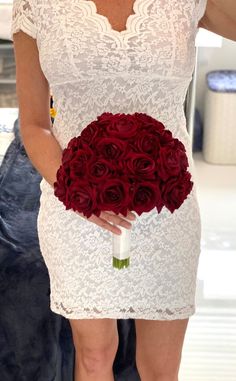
[{"x": 104, "y": 312}]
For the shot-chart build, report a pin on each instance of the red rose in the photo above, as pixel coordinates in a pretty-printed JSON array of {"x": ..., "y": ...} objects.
[
  {"x": 74, "y": 146},
  {"x": 89, "y": 133},
  {"x": 111, "y": 148},
  {"x": 171, "y": 161},
  {"x": 178, "y": 144},
  {"x": 99, "y": 170},
  {"x": 175, "y": 191},
  {"x": 73, "y": 143},
  {"x": 67, "y": 155},
  {"x": 114, "y": 195},
  {"x": 148, "y": 123},
  {"x": 146, "y": 196},
  {"x": 78, "y": 166},
  {"x": 147, "y": 143},
  {"x": 175, "y": 143},
  {"x": 61, "y": 184},
  {"x": 140, "y": 165},
  {"x": 122, "y": 126},
  {"x": 165, "y": 137},
  {"x": 105, "y": 117},
  {"x": 103, "y": 121},
  {"x": 81, "y": 197}
]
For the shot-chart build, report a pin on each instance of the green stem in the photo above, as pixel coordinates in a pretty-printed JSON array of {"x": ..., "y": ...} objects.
[{"x": 120, "y": 263}]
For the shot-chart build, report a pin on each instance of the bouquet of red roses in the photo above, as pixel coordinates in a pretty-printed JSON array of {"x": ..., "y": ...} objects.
[{"x": 123, "y": 162}]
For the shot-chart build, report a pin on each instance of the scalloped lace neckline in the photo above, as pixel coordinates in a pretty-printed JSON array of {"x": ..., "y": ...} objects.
[{"x": 130, "y": 21}]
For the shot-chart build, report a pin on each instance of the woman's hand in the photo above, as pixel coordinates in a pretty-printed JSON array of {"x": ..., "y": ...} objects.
[{"x": 106, "y": 219}]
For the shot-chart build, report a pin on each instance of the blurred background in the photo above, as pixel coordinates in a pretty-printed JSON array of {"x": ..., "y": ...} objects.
[{"x": 209, "y": 352}]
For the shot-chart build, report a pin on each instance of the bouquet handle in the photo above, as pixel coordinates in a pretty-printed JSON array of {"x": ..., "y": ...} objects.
[{"x": 121, "y": 248}]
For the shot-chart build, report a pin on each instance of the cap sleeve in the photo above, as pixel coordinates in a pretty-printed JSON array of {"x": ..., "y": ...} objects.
[
  {"x": 200, "y": 9},
  {"x": 23, "y": 18}
]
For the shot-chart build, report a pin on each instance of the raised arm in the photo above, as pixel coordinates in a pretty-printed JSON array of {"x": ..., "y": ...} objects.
[
  {"x": 34, "y": 108},
  {"x": 220, "y": 18}
]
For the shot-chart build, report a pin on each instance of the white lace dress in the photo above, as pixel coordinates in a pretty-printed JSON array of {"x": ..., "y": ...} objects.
[{"x": 92, "y": 68}]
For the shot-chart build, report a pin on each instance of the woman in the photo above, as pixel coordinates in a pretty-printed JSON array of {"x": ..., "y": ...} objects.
[{"x": 116, "y": 56}]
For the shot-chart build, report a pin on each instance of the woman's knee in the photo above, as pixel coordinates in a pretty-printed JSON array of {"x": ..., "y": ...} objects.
[
  {"x": 96, "y": 343},
  {"x": 156, "y": 373},
  {"x": 99, "y": 360},
  {"x": 159, "y": 349}
]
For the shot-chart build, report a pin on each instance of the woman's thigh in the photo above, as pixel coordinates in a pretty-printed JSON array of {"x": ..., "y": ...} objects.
[
  {"x": 94, "y": 333},
  {"x": 159, "y": 348}
]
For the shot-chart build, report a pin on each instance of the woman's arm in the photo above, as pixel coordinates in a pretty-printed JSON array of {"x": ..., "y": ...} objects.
[
  {"x": 34, "y": 108},
  {"x": 36, "y": 130},
  {"x": 220, "y": 18}
]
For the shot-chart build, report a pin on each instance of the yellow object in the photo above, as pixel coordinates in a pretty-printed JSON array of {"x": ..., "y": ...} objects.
[{"x": 53, "y": 112}]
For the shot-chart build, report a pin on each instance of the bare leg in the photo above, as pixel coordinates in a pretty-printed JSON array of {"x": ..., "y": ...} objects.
[
  {"x": 96, "y": 343},
  {"x": 159, "y": 348}
]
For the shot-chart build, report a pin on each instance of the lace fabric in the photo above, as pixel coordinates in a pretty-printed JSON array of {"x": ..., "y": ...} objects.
[
  {"x": 124, "y": 313},
  {"x": 92, "y": 68},
  {"x": 200, "y": 9},
  {"x": 23, "y": 18}
]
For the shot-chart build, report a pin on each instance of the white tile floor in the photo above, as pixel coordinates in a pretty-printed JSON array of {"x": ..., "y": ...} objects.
[{"x": 209, "y": 352}]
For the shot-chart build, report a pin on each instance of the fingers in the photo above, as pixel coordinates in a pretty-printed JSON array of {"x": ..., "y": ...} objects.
[
  {"x": 106, "y": 217},
  {"x": 104, "y": 224},
  {"x": 116, "y": 219},
  {"x": 130, "y": 216}
]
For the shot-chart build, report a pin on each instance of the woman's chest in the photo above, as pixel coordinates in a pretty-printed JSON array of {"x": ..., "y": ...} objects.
[{"x": 75, "y": 40}]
